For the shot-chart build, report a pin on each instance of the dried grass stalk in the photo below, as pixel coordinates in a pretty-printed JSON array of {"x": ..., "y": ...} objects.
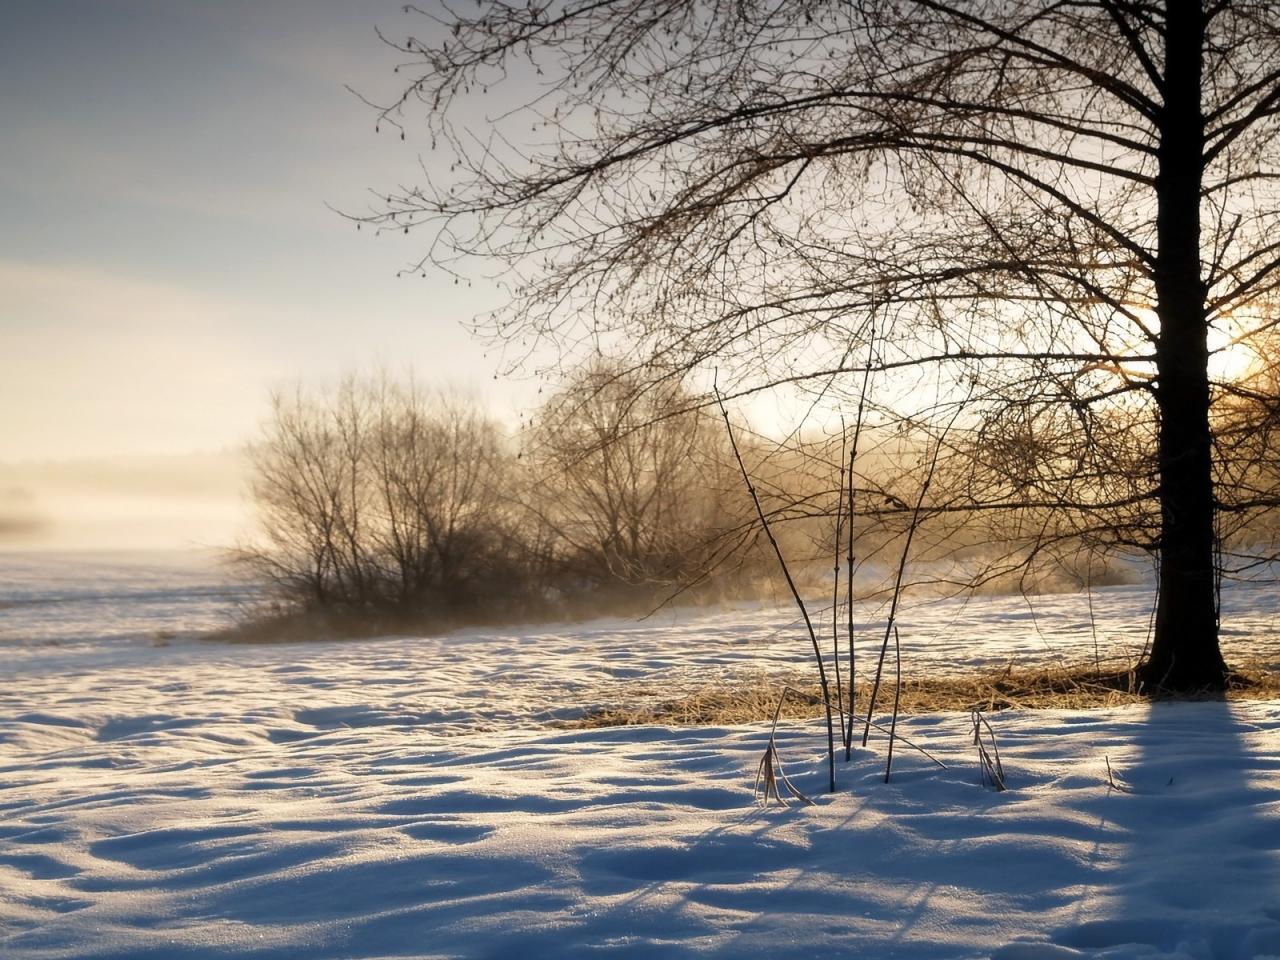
[
  {"x": 1112, "y": 782},
  {"x": 992, "y": 770},
  {"x": 770, "y": 772}
]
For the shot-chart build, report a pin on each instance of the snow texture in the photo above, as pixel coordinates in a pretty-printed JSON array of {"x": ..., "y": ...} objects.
[{"x": 407, "y": 798}]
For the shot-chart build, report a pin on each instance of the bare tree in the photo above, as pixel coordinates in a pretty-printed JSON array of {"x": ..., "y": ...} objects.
[
  {"x": 632, "y": 481},
  {"x": 307, "y": 486},
  {"x": 1049, "y": 207},
  {"x": 380, "y": 498}
]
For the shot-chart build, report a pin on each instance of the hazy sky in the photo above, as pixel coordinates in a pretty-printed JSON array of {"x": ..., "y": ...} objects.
[{"x": 166, "y": 254}]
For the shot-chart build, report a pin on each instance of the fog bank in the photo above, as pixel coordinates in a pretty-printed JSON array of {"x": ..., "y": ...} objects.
[{"x": 123, "y": 503}]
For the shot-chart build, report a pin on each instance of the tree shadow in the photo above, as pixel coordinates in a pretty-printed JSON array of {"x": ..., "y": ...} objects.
[{"x": 1195, "y": 810}]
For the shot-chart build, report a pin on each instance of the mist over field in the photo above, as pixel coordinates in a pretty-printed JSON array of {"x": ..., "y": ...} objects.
[{"x": 176, "y": 502}]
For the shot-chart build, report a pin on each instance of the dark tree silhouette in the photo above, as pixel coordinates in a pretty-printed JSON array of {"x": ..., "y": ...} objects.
[{"x": 1055, "y": 212}]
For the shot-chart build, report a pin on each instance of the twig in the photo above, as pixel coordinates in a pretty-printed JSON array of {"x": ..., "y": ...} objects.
[
  {"x": 896, "y": 736},
  {"x": 914, "y": 746},
  {"x": 1112, "y": 783}
]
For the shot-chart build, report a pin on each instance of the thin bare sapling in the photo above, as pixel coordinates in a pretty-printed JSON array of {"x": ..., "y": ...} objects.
[
  {"x": 847, "y": 731},
  {"x": 791, "y": 584},
  {"x": 914, "y": 525},
  {"x": 835, "y": 594},
  {"x": 897, "y": 699}
]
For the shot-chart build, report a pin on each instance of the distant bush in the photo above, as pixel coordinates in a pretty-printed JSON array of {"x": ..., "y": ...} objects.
[
  {"x": 383, "y": 506},
  {"x": 384, "y": 498}
]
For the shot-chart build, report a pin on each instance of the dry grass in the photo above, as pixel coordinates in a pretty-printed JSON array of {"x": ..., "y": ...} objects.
[{"x": 1073, "y": 688}]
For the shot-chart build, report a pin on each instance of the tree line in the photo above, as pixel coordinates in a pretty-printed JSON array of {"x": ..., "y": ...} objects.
[{"x": 383, "y": 503}]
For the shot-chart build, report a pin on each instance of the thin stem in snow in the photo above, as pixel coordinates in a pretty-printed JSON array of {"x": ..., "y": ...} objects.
[
  {"x": 897, "y": 698},
  {"x": 795, "y": 593},
  {"x": 835, "y": 591},
  {"x": 902, "y": 567},
  {"x": 847, "y": 732}
]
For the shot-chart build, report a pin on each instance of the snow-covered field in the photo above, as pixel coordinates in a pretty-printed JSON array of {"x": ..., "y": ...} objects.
[
  {"x": 410, "y": 797},
  {"x": 98, "y": 599}
]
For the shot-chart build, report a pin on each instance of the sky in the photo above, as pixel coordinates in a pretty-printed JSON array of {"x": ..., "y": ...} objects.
[
  {"x": 168, "y": 254},
  {"x": 168, "y": 249}
]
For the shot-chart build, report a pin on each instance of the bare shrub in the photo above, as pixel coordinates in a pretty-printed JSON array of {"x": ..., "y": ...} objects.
[
  {"x": 378, "y": 498},
  {"x": 632, "y": 483}
]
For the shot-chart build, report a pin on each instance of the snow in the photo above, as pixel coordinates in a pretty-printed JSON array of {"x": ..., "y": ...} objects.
[
  {"x": 410, "y": 797},
  {"x": 97, "y": 599}
]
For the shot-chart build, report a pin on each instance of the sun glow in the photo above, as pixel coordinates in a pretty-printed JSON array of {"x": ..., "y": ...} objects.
[
  {"x": 1232, "y": 353},
  {"x": 1232, "y": 341}
]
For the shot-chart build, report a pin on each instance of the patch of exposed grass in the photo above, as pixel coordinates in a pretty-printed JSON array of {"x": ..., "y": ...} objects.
[{"x": 755, "y": 698}]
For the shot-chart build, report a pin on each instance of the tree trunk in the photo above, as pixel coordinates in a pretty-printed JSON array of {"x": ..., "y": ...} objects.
[{"x": 1184, "y": 653}]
